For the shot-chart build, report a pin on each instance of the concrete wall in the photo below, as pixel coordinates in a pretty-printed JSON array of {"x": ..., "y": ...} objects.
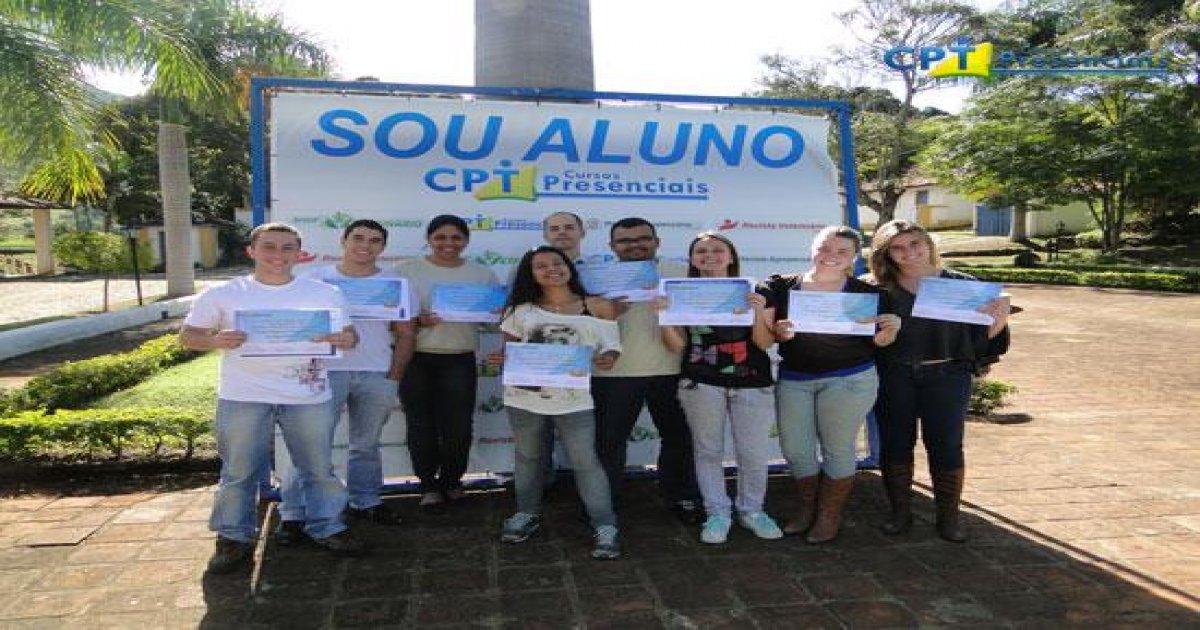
[
  {"x": 534, "y": 43},
  {"x": 942, "y": 208},
  {"x": 28, "y": 339},
  {"x": 1075, "y": 218}
]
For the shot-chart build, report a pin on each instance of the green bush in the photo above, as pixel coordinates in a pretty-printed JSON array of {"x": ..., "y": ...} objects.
[
  {"x": 1090, "y": 239},
  {"x": 114, "y": 433},
  {"x": 1186, "y": 281},
  {"x": 75, "y": 384},
  {"x": 988, "y": 395}
]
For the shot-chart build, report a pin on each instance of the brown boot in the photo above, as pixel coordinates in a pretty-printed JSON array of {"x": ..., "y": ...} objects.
[
  {"x": 947, "y": 493},
  {"x": 831, "y": 498},
  {"x": 806, "y": 488},
  {"x": 898, "y": 480}
]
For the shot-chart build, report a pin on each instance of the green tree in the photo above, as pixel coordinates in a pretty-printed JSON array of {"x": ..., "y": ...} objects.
[
  {"x": 874, "y": 111},
  {"x": 1002, "y": 151},
  {"x": 98, "y": 252},
  {"x": 48, "y": 133},
  {"x": 234, "y": 42},
  {"x": 879, "y": 26}
]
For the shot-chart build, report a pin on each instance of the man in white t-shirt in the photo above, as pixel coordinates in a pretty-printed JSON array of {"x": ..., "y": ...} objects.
[
  {"x": 364, "y": 381},
  {"x": 256, "y": 393}
]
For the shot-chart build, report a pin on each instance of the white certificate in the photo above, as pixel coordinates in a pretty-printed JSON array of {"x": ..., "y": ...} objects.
[
  {"x": 955, "y": 300},
  {"x": 376, "y": 298},
  {"x": 635, "y": 281},
  {"x": 706, "y": 301},
  {"x": 547, "y": 365},
  {"x": 478, "y": 303},
  {"x": 287, "y": 332},
  {"x": 832, "y": 312}
]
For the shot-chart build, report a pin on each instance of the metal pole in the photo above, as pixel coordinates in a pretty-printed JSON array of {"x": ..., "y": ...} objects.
[{"x": 137, "y": 273}]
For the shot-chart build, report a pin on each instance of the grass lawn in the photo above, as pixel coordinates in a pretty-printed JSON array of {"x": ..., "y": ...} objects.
[{"x": 191, "y": 385}]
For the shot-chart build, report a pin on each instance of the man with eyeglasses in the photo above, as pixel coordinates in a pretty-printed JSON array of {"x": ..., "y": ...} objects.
[{"x": 647, "y": 375}]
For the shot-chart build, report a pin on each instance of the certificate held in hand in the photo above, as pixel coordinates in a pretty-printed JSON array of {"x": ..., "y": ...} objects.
[
  {"x": 955, "y": 300},
  {"x": 547, "y": 365},
  {"x": 706, "y": 302},
  {"x": 833, "y": 312},
  {"x": 635, "y": 281},
  {"x": 469, "y": 303},
  {"x": 376, "y": 298},
  {"x": 287, "y": 332}
]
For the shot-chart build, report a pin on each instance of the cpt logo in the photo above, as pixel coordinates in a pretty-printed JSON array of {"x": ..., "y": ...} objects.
[{"x": 960, "y": 59}]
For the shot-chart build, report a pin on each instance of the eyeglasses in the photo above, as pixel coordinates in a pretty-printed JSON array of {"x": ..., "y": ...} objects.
[{"x": 634, "y": 241}]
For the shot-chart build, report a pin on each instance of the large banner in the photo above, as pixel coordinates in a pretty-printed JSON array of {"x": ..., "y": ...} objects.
[{"x": 763, "y": 179}]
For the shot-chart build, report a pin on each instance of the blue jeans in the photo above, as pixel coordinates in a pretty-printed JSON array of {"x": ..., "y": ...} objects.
[
  {"x": 937, "y": 395},
  {"x": 750, "y": 412},
  {"x": 619, "y": 401},
  {"x": 369, "y": 398},
  {"x": 438, "y": 394},
  {"x": 824, "y": 414},
  {"x": 245, "y": 431},
  {"x": 577, "y": 431}
]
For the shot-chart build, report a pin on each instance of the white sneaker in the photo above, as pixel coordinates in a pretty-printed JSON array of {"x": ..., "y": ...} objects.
[
  {"x": 716, "y": 529},
  {"x": 761, "y": 524}
]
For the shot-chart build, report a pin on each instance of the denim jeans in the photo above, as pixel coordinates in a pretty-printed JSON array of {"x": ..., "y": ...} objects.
[
  {"x": 438, "y": 396},
  {"x": 619, "y": 401},
  {"x": 750, "y": 412},
  {"x": 245, "y": 431},
  {"x": 369, "y": 398},
  {"x": 938, "y": 396},
  {"x": 825, "y": 415},
  {"x": 577, "y": 431}
]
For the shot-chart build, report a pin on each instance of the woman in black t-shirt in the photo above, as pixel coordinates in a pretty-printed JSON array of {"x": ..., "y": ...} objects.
[
  {"x": 827, "y": 384},
  {"x": 725, "y": 378},
  {"x": 926, "y": 375}
]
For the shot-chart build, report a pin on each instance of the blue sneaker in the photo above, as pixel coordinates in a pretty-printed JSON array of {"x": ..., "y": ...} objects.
[
  {"x": 762, "y": 525},
  {"x": 519, "y": 527},
  {"x": 606, "y": 545},
  {"x": 716, "y": 529}
]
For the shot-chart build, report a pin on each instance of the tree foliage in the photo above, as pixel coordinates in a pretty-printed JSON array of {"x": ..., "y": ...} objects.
[
  {"x": 49, "y": 129},
  {"x": 1123, "y": 145}
]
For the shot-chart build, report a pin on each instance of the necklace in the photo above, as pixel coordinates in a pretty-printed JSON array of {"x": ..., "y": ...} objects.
[{"x": 560, "y": 306}]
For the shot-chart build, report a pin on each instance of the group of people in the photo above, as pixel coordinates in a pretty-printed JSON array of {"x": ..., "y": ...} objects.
[{"x": 695, "y": 381}]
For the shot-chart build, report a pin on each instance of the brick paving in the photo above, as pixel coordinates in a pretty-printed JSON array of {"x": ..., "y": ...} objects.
[{"x": 1084, "y": 506}]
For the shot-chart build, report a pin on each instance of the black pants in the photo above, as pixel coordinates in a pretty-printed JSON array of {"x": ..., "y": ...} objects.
[
  {"x": 619, "y": 401},
  {"x": 935, "y": 395},
  {"x": 438, "y": 397}
]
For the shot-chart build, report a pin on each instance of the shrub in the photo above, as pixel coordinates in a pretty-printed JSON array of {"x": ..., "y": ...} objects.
[
  {"x": 75, "y": 384},
  {"x": 988, "y": 395},
  {"x": 1187, "y": 281},
  {"x": 1091, "y": 239},
  {"x": 110, "y": 432}
]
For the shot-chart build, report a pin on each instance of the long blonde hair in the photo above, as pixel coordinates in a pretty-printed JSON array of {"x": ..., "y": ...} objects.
[{"x": 885, "y": 270}]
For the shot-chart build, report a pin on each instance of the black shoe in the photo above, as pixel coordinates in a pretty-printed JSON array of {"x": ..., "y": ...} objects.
[
  {"x": 688, "y": 511},
  {"x": 289, "y": 534},
  {"x": 230, "y": 555},
  {"x": 378, "y": 514},
  {"x": 342, "y": 543}
]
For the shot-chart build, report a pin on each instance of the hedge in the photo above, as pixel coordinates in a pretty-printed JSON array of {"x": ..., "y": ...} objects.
[
  {"x": 114, "y": 433},
  {"x": 1185, "y": 281},
  {"x": 75, "y": 384}
]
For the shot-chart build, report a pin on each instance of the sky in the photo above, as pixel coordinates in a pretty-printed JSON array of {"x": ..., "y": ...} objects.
[{"x": 708, "y": 47}]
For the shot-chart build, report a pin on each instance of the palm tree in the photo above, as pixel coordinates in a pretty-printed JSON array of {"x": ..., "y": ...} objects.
[
  {"x": 49, "y": 130},
  {"x": 234, "y": 43},
  {"x": 198, "y": 54}
]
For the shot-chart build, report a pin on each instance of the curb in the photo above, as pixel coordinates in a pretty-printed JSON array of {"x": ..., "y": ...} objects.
[{"x": 41, "y": 336}]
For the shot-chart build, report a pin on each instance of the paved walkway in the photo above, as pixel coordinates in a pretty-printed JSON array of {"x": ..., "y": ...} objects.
[
  {"x": 30, "y": 298},
  {"x": 1088, "y": 514}
]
